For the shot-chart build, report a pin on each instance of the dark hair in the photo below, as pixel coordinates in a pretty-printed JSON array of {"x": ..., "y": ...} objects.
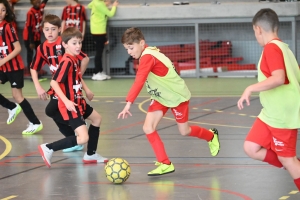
[
  {"x": 69, "y": 33},
  {"x": 267, "y": 19},
  {"x": 52, "y": 19},
  {"x": 132, "y": 35},
  {"x": 10, "y": 16}
]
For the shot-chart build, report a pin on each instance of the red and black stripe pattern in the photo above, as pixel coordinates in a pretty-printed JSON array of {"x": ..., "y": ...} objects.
[{"x": 74, "y": 16}]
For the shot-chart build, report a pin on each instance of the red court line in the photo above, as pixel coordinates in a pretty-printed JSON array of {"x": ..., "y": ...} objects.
[
  {"x": 181, "y": 185},
  {"x": 206, "y": 102},
  {"x": 122, "y": 127},
  {"x": 19, "y": 157}
]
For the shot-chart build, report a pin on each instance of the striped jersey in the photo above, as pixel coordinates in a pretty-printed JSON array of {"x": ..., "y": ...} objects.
[
  {"x": 50, "y": 54},
  {"x": 8, "y": 37},
  {"x": 74, "y": 16},
  {"x": 32, "y": 29},
  {"x": 68, "y": 76}
]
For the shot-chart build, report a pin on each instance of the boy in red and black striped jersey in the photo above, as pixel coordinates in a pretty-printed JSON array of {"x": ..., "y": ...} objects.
[
  {"x": 74, "y": 15},
  {"x": 67, "y": 83},
  {"x": 32, "y": 30},
  {"x": 12, "y": 67},
  {"x": 51, "y": 52}
]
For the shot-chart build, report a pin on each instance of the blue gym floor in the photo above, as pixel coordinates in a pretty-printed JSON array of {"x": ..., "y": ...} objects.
[{"x": 198, "y": 176}]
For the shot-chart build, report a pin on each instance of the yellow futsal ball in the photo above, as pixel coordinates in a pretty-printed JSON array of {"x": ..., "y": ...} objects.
[{"x": 117, "y": 170}]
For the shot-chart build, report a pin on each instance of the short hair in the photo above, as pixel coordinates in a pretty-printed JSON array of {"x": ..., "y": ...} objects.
[
  {"x": 267, "y": 19},
  {"x": 132, "y": 35},
  {"x": 69, "y": 33},
  {"x": 10, "y": 16},
  {"x": 52, "y": 19}
]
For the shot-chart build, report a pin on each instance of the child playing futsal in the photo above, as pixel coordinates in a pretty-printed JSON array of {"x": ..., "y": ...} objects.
[
  {"x": 273, "y": 136},
  {"x": 167, "y": 90},
  {"x": 67, "y": 83},
  {"x": 11, "y": 70},
  {"x": 51, "y": 52}
]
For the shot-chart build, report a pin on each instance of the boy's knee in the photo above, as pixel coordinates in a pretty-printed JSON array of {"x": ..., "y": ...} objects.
[
  {"x": 82, "y": 139},
  {"x": 148, "y": 129}
]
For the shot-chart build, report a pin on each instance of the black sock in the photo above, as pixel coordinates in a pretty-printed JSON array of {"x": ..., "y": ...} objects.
[
  {"x": 94, "y": 133},
  {"x": 28, "y": 111},
  {"x": 6, "y": 103},
  {"x": 66, "y": 130},
  {"x": 63, "y": 143}
]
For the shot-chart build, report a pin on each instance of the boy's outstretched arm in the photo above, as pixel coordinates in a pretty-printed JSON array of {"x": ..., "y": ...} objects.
[
  {"x": 125, "y": 112},
  {"x": 275, "y": 80},
  {"x": 70, "y": 105},
  {"x": 39, "y": 89}
]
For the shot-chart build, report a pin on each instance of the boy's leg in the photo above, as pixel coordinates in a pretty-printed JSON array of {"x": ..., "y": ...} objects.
[
  {"x": 91, "y": 156},
  {"x": 52, "y": 111},
  {"x": 153, "y": 116},
  {"x": 181, "y": 114},
  {"x": 13, "y": 109},
  {"x": 16, "y": 79},
  {"x": 46, "y": 150},
  {"x": 284, "y": 144},
  {"x": 29, "y": 54},
  {"x": 258, "y": 144}
]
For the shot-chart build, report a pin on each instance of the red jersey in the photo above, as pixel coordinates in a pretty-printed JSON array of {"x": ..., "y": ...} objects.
[
  {"x": 74, "y": 16},
  {"x": 50, "y": 54},
  {"x": 68, "y": 76},
  {"x": 147, "y": 64},
  {"x": 272, "y": 59},
  {"x": 8, "y": 37},
  {"x": 33, "y": 30}
]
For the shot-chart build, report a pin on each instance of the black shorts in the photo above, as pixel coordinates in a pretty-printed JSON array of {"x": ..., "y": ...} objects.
[
  {"x": 53, "y": 111},
  {"x": 79, "y": 121},
  {"x": 16, "y": 78}
]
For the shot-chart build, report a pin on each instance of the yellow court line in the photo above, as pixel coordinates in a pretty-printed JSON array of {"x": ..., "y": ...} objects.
[
  {"x": 284, "y": 197},
  {"x": 7, "y": 149},
  {"x": 141, "y": 109},
  {"x": 10, "y": 197}
]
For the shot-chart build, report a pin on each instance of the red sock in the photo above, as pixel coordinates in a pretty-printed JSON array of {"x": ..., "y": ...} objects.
[
  {"x": 297, "y": 183},
  {"x": 272, "y": 159},
  {"x": 158, "y": 148},
  {"x": 202, "y": 133}
]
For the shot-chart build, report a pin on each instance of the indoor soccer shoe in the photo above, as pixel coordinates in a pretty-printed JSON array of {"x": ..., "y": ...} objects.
[
  {"x": 162, "y": 169},
  {"x": 33, "y": 128},
  {"x": 214, "y": 144},
  {"x": 12, "y": 114},
  {"x": 75, "y": 148},
  {"x": 46, "y": 154},
  {"x": 95, "y": 158}
]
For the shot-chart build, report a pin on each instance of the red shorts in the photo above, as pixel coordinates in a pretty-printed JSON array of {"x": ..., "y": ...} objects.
[
  {"x": 181, "y": 112},
  {"x": 281, "y": 141}
]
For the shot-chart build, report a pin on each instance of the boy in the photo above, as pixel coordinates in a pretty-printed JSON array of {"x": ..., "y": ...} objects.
[
  {"x": 32, "y": 30},
  {"x": 167, "y": 90},
  {"x": 11, "y": 70},
  {"x": 68, "y": 84},
  {"x": 273, "y": 136},
  {"x": 74, "y": 15},
  {"x": 51, "y": 52}
]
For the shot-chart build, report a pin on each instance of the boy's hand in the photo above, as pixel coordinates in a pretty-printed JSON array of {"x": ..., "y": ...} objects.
[
  {"x": 70, "y": 105},
  {"x": 89, "y": 95},
  {"x": 125, "y": 111},
  {"x": 42, "y": 93},
  {"x": 116, "y": 3},
  {"x": 245, "y": 97}
]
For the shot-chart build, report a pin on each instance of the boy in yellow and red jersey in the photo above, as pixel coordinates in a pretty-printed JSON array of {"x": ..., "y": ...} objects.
[
  {"x": 273, "y": 136},
  {"x": 168, "y": 91}
]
